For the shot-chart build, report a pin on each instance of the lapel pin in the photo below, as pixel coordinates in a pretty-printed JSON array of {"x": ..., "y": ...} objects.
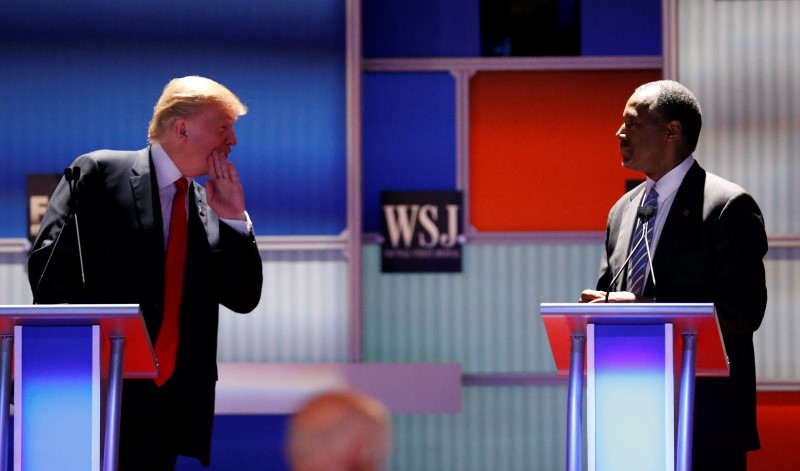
[{"x": 685, "y": 213}]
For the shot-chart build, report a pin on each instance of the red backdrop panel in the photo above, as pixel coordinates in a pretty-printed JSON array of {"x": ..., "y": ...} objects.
[
  {"x": 543, "y": 150},
  {"x": 779, "y": 429}
]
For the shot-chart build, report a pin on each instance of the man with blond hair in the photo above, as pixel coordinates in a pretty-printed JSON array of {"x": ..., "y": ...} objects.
[
  {"x": 150, "y": 235},
  {"x": 339, "y": 431}
]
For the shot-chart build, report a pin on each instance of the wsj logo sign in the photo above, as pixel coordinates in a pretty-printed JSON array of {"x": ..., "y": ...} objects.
[{"x": 421, "y": 231}]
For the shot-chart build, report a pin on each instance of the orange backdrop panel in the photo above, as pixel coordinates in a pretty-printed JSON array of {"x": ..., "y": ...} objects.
[{"x": 543, "y": 150}]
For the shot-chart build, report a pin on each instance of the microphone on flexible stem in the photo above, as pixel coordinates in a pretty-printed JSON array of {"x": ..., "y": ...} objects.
[
  {"x": 647, "y": 248},
  {"x": 645, "y": 213},
  {"x": 73, "y": 190},
  {"x": 71, "y": 176}
]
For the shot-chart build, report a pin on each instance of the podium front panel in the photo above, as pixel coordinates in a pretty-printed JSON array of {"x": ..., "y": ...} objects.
[
  {"x": 57, "y": 400},
  {"x": 630, "y": 376},
  {"x": 630, "y": 403}
]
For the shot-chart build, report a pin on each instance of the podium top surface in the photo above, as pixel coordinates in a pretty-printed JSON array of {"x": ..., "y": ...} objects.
[
  {"x": 626, "y": 313},
  {"x": 564, "y": 320},
  {"x": 115, "y": 320}
]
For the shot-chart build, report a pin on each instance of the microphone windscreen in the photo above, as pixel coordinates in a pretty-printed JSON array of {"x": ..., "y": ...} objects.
[{"x": 645, "y": 212}]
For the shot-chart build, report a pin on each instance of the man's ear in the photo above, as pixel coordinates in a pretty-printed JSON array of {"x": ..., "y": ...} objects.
[
  {"x": 180, "y": 130},
  {"x": 674, "y": 130}
]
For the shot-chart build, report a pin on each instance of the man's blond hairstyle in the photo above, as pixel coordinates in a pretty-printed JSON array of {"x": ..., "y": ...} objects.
[{"x": 182, "y": 97}]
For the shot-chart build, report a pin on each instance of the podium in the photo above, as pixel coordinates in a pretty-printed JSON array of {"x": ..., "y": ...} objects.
[
  {"x": 64, "y": 355},
  {"x": 630, "y": 354}
]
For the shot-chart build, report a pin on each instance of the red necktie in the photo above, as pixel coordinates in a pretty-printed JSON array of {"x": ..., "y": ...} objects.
[{"x": 167, "y": 343}]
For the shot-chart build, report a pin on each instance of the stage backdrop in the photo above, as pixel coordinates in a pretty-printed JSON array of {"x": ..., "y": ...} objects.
[{"x": 82, "y": 76}]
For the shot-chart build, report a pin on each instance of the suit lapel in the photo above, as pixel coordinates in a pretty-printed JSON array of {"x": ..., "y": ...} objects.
[
  {"x": 625, "y": 233},
  {"x": 207, "y": 218},
  {"x": 685, "y": 215},
  {"x": 142, "y": 184}
]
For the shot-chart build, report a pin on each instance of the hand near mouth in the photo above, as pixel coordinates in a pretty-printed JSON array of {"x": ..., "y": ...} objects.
[{"x": 223, "y": 188}]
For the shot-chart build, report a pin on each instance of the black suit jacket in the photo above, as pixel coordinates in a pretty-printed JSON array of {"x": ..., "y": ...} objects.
[
  {"x": 121, "y": 235},
  {"x": 711, "y": 250}
]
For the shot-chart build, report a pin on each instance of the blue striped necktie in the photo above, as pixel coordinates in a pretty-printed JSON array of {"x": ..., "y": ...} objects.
[{"x": 638, "y": 266}]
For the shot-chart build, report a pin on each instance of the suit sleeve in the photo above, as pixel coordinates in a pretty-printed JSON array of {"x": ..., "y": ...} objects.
[
  {"x": 240, "y": 263},
  {"x": 607, "y": 271},
  {"x": 740, "y": 243},
  {"x": 54, "y": 265},
  {"x": 605, "y": 275}
]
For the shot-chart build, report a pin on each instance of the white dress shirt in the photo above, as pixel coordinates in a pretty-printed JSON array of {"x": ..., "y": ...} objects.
[
  {"x": 666, "y": 187},
  {"x": 166, "y": 174}
]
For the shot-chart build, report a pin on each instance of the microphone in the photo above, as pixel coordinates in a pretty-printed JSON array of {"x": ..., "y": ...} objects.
[
  {"x": 71, "y": 176},
  {"x": 645, "y": 214},
  {"x": 648, "y": 211}
]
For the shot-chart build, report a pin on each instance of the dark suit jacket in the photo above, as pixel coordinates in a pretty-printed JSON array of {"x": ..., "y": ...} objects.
[
  {"x": 122, "y": 245},
  {"x": 711, "y": 250}
]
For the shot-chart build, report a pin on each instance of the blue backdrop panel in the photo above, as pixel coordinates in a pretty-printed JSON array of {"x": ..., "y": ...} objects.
[
  {"x": 244, "y": 442},
  {"x": 85, "y": 75},
  {"x": 408, "y": 136},
  {"x": 621, "y": 28},
  {"x": 421, "y": 28}
]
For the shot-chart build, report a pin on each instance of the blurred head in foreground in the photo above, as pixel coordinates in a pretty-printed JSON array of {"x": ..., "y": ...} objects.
[{"x": 339, "y": 431}]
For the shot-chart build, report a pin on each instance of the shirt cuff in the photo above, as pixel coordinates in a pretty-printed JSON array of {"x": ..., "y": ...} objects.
[{"x": 243, "y": 227}]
